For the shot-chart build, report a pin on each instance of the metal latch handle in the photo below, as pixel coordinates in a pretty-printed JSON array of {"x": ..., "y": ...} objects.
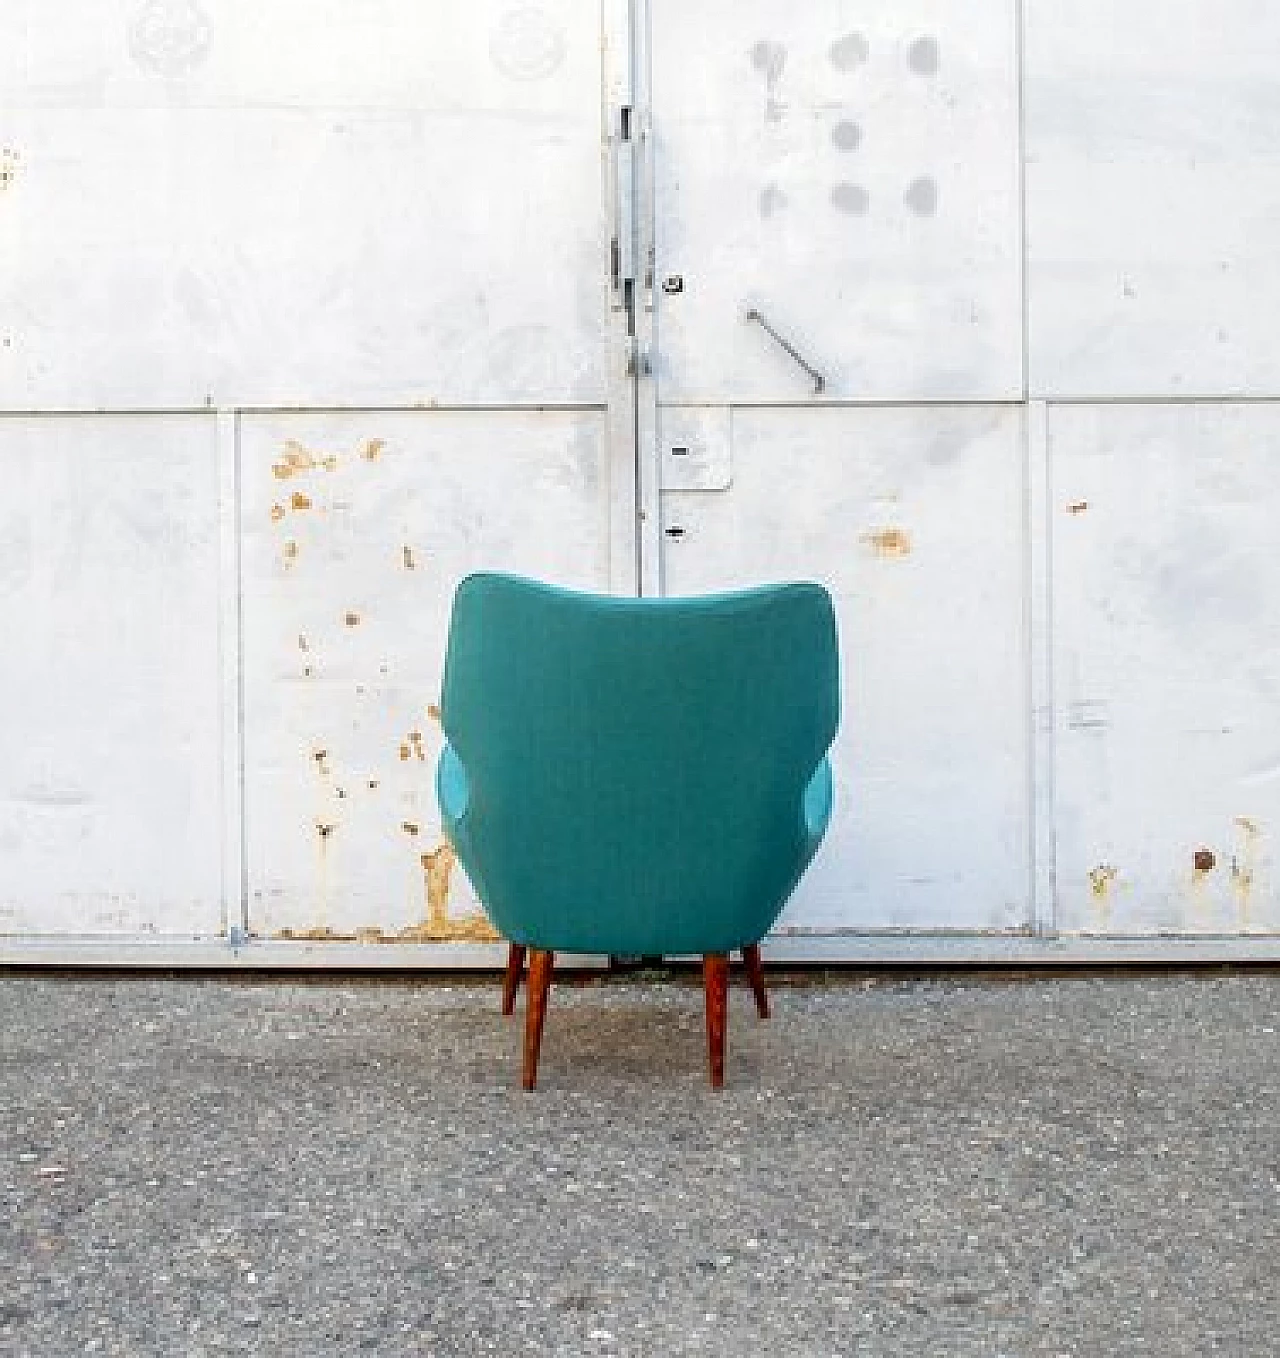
[{"x": 819, "y": 382}]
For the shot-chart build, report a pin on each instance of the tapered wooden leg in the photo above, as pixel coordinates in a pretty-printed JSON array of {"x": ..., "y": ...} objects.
[
  {"x": 511, "y": 981},
  {"x": 540, "y": 965},
  {"x": 755, "y": 973},
  {"x": 715, "y": 982}
]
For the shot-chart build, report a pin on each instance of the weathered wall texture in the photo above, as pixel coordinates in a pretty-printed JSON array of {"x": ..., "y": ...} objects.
[{"x": 968, "y": 311}]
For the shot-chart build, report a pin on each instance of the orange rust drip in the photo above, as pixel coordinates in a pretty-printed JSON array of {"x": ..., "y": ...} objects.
[{"x": 889, "y": 542}]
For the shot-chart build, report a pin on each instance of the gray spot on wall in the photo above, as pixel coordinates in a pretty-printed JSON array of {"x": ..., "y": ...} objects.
[
  {"x": 922, "y": 196},
  {"x": 772, "y": 199},
  {"x": 851, "y": 198},
  {"x": 170, "y": 38},
  {"x": 922, "y": 56},
  {"x": 849, "y": 52},
  {"x": 528, "y": 44},
  {"x": 769, "y": 58},
  {"x": 846, "y": 136}
]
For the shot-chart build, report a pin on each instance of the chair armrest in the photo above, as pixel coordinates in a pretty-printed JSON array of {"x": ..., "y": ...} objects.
[
  {"x": 452, "y": 787},
  {"x": 815, "y": 806}
]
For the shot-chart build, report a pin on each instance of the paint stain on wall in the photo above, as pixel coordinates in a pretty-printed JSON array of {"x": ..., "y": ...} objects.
[
  {"x": 851, "y": 199},
  {"x": 922, "y": 56},
  {"x": 921, "y": 196},
  {"x": 849, "y": 52},
  {"x": 846, "y": 136},
  {"x": 772, "y": 200},
  {"x": 889, "y": 542}
]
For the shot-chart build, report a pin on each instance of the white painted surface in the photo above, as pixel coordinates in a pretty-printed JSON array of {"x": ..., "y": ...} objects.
[
  {"x": 291, "y": 203},
  {"x": 110, "y": 805},
  {"x": 914, "y": 520},
  {"x": 392, "y": 206},
  {"x": 357, "y": 527},
  {"x": 1166, "y": 590},
  {"x": 1153, "y": 195},
  {"x": 852, "y": 171}
]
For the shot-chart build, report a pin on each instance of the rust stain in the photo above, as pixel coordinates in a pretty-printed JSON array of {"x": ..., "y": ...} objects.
[
  {"x": 438, "y": 866},
  {"x": 1100, "y": 880},
  {"x": 8, "y": 168},
  {"x": 1078, "y": 507},
  {"x": 1244, "y": 869},
  {"x": 277, "y": 513},
  {"x": 322, "y": 761},
  {"x": 415, "y": 739},
  {"x": 433, "y": 711},
  {"x": 405, "y": 752},
  {"x": 889, "y": 542},
  {"x": 290, "y": 553},
  {"x": 408, "y": 558},
  {"x": 438, "y": 927},
  {"x": 467, "y": 929},
  {"x": 319, "y": 933},
  {"x": 372, "y": 448},
  {"x": 373, "y": 784},
  {"x": 329, "y": 463},
  {"x": 296, "y": 460},
  {"x": 1205, "y": 860},
  {"x": 409, "y": 827},
  {"x": 324, "y": 830},
  {"x": 353, "y": 619},
  {"x": 300, "y": 501}
]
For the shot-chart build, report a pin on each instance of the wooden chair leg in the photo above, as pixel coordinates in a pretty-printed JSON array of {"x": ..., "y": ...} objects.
[
  {"x": 541, "y": 963},
  {"x": 715, "y": 982},
  {"x": 755, "y": 973},
  {"x": 511, "y": 981}
]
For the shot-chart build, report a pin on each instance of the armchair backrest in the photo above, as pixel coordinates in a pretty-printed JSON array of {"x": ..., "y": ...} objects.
[{"x": 636, "y": 767}]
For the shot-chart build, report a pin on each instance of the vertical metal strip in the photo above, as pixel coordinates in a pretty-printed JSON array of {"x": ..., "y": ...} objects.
[
  {"x": 1020, "y": 54},
  {"x": 616, "y": 92},
  {"x": 231, "y": 653},
  {"x": 648, "y": 459},
  {"x": 1039, "y": 623}
]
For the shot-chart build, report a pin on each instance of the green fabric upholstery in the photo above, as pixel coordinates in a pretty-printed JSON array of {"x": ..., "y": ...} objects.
[{"x": 636, "y": 776}]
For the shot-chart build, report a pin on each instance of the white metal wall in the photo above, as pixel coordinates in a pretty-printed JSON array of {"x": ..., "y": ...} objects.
[{"x": 306, "y": 309}]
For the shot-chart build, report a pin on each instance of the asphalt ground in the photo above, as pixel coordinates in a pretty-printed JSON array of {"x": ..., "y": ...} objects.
[{"x": 952, "y": 1166}]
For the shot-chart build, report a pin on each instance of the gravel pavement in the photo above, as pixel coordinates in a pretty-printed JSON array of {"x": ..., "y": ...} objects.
[{"x": 1085, "y": 1165}]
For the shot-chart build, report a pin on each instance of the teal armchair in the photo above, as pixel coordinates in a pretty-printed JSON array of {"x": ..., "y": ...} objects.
[{"x": 636, "y": 776}]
